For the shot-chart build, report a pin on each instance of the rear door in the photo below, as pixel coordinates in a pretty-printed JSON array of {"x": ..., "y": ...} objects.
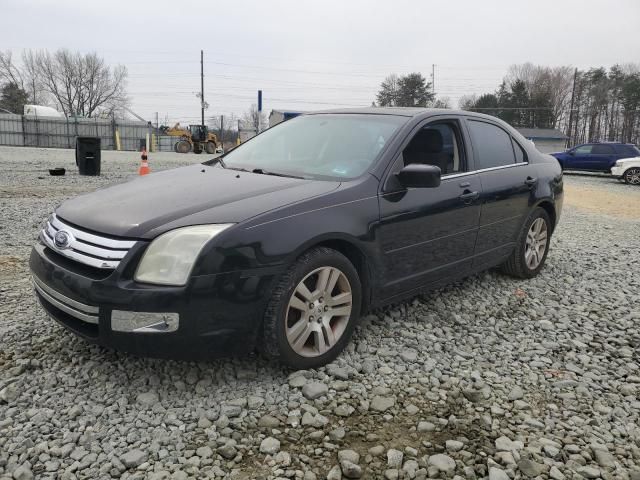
[
  {"x": 602, "y": 157},
  {"x": 507, "y": 181}
]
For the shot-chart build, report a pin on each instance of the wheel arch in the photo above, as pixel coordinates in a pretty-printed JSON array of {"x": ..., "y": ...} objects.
[
  {"x": 354, "y": 253},
  {"x": 548, "y": 206}
]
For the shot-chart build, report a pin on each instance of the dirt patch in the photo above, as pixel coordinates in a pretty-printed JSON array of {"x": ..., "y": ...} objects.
[
  {"x": 599, "y": 199},
  {"x": 10, "y": 263}
]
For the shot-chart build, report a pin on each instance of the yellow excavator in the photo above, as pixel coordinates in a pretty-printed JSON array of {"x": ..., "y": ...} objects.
[{"x": 196, "y": 138}]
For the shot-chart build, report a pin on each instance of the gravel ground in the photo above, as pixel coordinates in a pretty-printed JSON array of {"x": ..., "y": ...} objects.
[{"x": 488, "y": 378}]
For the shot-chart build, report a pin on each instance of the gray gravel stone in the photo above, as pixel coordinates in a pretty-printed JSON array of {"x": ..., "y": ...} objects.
[
  {"x": 350, "y": 469},
  {"x": 454, "y": 445},
  {"x": 148, "y": 399},
  {"x": 530, "y": 468},
  {"x": 22, "y": 473},
  {"x": 443, "y": 463},
  {"x": 516, "y": 393},
  {"x": 270, "y": 445},
  {"x": 133, "y": 458},
  {"x": 589, "y": 472},
  {"x": 335, "y": 473},
  {"x": 496, "y": 473},
  {"x": 394, "y": 458},
  {"x": 351, "y": 455},
  {"x": 314, "y": 390},
  {"x": 382, "y": 404}
]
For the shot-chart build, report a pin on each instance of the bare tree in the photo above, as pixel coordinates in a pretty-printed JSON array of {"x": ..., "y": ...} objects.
[
  {"x": 441, "y": 102},
  {"x": 467, "y": 102},
  {"x": 553, "y": 84},
  {"x": 252, "y": 119},
  {"x": 79, "y": 84},
  {"x": 389, "y": 91},
  {"x": 82, "y": 84},
  {"x": 9, "y": 71}
]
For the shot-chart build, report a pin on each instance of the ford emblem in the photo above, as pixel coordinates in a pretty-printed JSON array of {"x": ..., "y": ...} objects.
[{"x": 62, "y": 239}]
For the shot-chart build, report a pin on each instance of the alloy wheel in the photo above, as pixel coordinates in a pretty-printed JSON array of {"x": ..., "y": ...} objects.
[
  {"x": 318, "y": 312},
  {"x": 536, "y": 243},
  {"x": 632, "y": 176}
]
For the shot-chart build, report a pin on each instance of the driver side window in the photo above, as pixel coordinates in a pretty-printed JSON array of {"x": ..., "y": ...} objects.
[
  {"x": 583, "y": 150},
  {"x": 437, "y": 144}
]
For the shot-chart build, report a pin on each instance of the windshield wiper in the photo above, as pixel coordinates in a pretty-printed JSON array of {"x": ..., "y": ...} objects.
[
  {"x": 262, "y": 171},
  {"x": 239, "y": 169},
  {"x": 213, "y": 161}
]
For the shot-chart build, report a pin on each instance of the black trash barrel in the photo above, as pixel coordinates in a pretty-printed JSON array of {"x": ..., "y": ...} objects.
[{"x": 88, "y": 155}]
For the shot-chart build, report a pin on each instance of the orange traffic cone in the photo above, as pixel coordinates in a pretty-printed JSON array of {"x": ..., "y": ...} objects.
[{"x": 144, "y": 164}]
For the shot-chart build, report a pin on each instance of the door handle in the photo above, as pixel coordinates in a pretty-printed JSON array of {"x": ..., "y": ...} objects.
[
  {"x": 465, "y": 184},
  {"x": 468, "y": 197},
  {"x": 531, "y": 181}
]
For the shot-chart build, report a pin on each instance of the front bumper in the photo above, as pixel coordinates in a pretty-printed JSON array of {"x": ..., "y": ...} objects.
[
  {"x": 218, "y": 314},
  {"x": 617, "y": 171}
]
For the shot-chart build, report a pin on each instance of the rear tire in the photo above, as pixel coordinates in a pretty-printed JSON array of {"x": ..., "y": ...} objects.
[
  {"x": 182, "y": 146},
  {"x": 532, "y": 246},
  {"x": 313, "y": 310},
  {"x": 632, "y": 176}
]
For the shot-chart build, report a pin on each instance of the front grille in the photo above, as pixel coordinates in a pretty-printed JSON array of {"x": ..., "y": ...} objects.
[{"x": 84, "y": 247}]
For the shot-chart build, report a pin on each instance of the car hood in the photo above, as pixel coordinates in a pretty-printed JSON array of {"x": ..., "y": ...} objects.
[
  {"x": 628, "y": 160},
  {"x": 198, "y": 194}
]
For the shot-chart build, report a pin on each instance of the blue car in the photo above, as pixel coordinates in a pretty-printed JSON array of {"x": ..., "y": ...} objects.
[{"x": 595, "y": 157}]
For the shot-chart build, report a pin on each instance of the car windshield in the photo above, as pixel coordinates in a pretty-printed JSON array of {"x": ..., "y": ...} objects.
[{"x": 323, "y": 146}]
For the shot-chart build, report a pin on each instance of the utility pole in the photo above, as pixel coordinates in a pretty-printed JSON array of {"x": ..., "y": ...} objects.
[
  {"x": 433, "y": 78},
  {"x": 259, "y": 111},
  {"x": 202, "y": 84},
  {"x": 157, "y": 135},
  {"x": 573, "y": 93},
  {"x": 222, "y": 130}
]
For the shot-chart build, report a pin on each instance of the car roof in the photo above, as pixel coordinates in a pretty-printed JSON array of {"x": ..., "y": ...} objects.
[
  {"x": 401, "y": 111},
  {"x": 607, "y": 143}
]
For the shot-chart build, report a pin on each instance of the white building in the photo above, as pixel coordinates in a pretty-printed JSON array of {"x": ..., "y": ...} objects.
[{"x": 546, "y": 140}]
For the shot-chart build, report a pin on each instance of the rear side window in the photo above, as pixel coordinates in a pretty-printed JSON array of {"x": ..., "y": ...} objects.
[
  {"x": 602, "y": 150},
  {"x": 521, "y": 155},
  {"x": 491, "y": 144},
  {"x": 628, "y": 151}
]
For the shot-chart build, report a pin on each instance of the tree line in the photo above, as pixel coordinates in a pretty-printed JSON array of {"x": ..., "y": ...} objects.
[
  {"x": 77, "y": 84},
  {"x": 597, "y": 104}
]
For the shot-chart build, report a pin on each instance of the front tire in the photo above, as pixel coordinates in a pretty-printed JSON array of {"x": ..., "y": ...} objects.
[
  {"x": 632, "y": 176},
  {"x": 313, "y": 310},
  {"x": 210, "y": 147},
  {"x": 532, "y": 246},
  {"x": 182, "y": 146}
]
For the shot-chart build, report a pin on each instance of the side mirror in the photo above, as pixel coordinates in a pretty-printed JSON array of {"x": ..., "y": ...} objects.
[
  {"x": 418, "y": 175},
  {"x": 571, "y": 152}
]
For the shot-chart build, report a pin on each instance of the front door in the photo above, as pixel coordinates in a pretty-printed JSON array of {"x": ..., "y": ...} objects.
[
  {"x": 580, "y": 159},
  {"x": 428, "y": 234}
]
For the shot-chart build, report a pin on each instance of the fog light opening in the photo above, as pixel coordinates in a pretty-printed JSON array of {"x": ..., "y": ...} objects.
[{"x": 144, "y": 322}]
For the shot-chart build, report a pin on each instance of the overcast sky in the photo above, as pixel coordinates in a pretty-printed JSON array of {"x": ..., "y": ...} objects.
[{"x": 319, "y": 54}]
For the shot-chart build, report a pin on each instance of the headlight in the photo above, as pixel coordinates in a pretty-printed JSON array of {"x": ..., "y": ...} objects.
[{"x": 170, "y": 257}]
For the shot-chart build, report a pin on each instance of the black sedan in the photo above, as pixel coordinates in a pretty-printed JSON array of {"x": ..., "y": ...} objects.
[{"x": 281, "y": 244}]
